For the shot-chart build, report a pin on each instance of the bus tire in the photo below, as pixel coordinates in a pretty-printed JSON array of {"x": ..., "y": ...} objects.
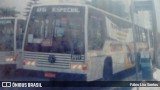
[{"x": 107, "y": 70}]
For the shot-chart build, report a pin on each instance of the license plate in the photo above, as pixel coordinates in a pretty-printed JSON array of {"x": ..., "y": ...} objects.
[{"x": 49, "y": 75}]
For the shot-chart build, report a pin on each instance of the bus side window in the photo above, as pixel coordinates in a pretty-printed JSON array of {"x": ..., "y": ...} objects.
[{"x": 96, "y": 32}]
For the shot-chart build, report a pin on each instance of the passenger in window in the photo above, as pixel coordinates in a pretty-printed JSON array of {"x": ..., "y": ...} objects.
[
  {"x": 76, "y": 42},
  {"x": 64, "y": 21},
  {"x": 65, "y": 44}
]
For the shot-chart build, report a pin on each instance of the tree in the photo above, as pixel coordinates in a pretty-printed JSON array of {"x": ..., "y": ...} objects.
[
  {"x": 29, "y": 5},
  {"x": 8, "y": 12}
]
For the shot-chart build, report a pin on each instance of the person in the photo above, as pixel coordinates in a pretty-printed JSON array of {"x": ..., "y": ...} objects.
[{"x": 77, "y": 43}]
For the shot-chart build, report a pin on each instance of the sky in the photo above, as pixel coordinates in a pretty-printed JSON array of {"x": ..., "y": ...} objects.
[{"x": 20, "y": 5}]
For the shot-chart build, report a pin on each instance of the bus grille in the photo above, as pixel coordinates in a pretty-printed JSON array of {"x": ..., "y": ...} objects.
[{"x": 41, "y": 59}]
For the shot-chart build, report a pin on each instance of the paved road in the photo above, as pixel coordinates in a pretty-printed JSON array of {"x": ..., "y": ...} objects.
[
  {"x": 27, "y": 78},
  {"x": 62, "y": 88}
]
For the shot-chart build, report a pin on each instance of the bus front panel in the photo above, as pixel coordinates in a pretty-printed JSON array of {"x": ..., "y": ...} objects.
[{"x": 55, "y": 39}]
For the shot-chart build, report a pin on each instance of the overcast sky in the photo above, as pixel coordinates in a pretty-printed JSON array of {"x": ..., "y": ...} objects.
[{"x": 20, "y": 5}]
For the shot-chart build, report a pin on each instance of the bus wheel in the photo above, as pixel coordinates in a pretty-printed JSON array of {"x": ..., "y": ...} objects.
[{"x": 107, "y": 70}]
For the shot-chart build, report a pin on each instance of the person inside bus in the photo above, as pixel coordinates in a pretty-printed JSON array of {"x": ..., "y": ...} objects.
[
  {"x": 69, "y": 39},
  {"x": 65, "y": 44},
  {"x": 76, "y": 42},
  {"x": 60, "y": 35}
]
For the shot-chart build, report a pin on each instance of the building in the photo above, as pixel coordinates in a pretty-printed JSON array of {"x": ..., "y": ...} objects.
[
  {"x": 144, "y": 19},
  {"x": 157, "y": 32},
  {"x": 144, "y": 13}
]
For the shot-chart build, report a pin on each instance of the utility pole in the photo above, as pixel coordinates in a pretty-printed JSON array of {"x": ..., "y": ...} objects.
[
  {"x": 155, "y": 30},
  {"x": 133, "y": 28}
]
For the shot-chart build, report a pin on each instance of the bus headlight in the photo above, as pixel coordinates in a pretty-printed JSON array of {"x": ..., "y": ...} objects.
[
  {"x": 11, "y": 59},
  {"x": 29, "y": 62},
  {"x": 79, "y": 66}
]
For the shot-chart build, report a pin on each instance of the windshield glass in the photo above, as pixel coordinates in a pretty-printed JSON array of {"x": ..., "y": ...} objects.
[
  {"x": 56, "y": 29},
  {"x": 6, "y": 34}
]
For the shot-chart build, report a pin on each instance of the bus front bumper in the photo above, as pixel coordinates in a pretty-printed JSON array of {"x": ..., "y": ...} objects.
[{"x": 54, "y": 76}]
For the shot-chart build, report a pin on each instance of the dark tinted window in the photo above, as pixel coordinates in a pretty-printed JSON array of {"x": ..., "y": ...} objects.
[
  {"x": 56, "y": 29},
  {"x": 6, "y": 34},
  {"x": 96, "y": 30}
]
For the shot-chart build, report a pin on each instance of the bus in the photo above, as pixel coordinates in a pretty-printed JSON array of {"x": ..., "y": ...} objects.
[
  {"x": 8, "y": 29},
  {"x": 70, "y": 42}
]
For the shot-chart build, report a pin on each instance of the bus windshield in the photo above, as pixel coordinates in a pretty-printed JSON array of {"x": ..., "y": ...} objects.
[
  {"x": 56, "y": 30},
  {"x": 6, "y": 34}
]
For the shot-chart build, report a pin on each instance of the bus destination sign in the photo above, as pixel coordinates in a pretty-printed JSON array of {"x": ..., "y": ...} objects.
[{"x": 58, "y": 9}]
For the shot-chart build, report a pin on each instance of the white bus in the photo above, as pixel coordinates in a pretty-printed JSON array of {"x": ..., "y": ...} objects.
[
  {"x": 82, "y": 41},
  {"x": 8, "y": 29}
]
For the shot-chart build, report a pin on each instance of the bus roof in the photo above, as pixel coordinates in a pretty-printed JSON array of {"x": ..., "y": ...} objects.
[
  {"x": 72, "y": 4},
  {"x": 116, "y": 19}
]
